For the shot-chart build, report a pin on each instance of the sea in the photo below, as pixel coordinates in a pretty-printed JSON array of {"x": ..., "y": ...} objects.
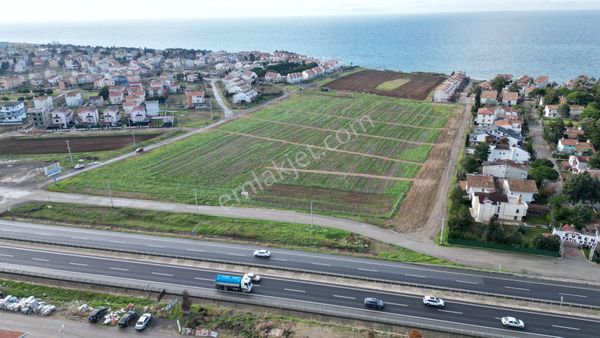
[{"x": 561, "y": 44}]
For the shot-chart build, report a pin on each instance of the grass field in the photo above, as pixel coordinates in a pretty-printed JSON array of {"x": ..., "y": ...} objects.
[
  {"x": 385, "y": 142},
  {"x": 393, "y": 84},
  {"x": 289, "y": 235}
]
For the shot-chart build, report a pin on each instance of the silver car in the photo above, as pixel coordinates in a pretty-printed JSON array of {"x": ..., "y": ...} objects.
[
  {"x": 433, "y": 301},
  {"x": 513, "y": 322}
]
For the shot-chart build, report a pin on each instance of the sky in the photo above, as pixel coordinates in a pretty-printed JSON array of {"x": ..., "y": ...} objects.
[{"x": 103, "y": 10}]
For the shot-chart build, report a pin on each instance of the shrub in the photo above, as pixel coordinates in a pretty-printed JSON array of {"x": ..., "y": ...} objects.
[{"x": 547, "y": 243}]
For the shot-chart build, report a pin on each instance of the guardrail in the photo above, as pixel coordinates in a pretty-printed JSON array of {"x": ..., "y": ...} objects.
[
  {"x": 314, "y": 272},
  {"x": 293, "y": 305}
]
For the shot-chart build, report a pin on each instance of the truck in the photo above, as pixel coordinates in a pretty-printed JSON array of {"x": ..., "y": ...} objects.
[{"x": 233, "y": 283}]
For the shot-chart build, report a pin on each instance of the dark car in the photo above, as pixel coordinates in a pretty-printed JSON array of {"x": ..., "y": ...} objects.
[
  {"x": 97, "y": 314},
  {"x": 129, "y": 318},
  {"x": 374, "y": 303}
]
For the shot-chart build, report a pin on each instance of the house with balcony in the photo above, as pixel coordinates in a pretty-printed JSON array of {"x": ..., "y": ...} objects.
[
  {"x": 523, "y": 188},
  {"x": 44, "y": 101},
  {"x": 111, "y": 116},
  {"x": 575, "y": 147},
  {"x": 505, "y": 169},
  {"x": 88, "y": 116},
  {"x": 194, "y": 99},
  {"x": 73, "y": 99},
  {"x": 508, "y": 209},
  {"x": 12, "y": 113},
  {"x": 61, "y": 118}
]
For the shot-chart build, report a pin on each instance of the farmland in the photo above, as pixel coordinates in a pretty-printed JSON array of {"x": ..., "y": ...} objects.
[
  {"x": 388, "y": 83},
  {"x": 363, "y": 172}
]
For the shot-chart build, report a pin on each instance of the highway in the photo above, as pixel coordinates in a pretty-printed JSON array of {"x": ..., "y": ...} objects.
[
  {"x": 477, "y": 316},
  {"x": 344, "y": 265}
]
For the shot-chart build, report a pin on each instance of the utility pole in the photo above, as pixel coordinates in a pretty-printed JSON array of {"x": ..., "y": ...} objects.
[
  {"x": 133, "y": 135},
  {"x": 110, "y": 195},
  {"x": 442, "y": 232},
  {"x": 70, "y": 155}
]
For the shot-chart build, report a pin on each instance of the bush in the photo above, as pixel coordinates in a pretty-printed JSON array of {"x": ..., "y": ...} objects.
[{"x": 547, "y": 243}]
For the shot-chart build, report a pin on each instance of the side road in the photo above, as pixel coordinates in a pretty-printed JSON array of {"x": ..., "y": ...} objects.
[{"x": 537, "y": 266}]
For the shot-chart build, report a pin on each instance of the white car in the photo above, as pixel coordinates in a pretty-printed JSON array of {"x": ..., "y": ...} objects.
[
  {"x": 254, "y": 277},
  {"x": 433, "y": 301},
  {"x": 78, "y": 166},
  {"x": 143, "y": 322},
  {"x": 262, "y": 253},
  {"x": 513, "y": 322}
]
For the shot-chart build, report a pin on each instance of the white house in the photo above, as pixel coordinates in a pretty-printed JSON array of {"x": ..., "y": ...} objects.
[
  {"x": 551, "y": 111},
  {"x": 246, "y": 96},
  {"x": 138, "y": 114},
  {"x": 73, "y": 99},
  {"x": 112, "y": 116},
  {"x": 578, "y": 164},
  {"x": 61, "y": 117},
  {"x": 12, "y": 113},
  {"x": 512, "y": 123},
  {"x": 505, "y": 169},
  {"x": 485, "y": 205},
  {"x": 273, "y": 77},
  {"x": 485, "y": 116},
  {"x": 88, "y": 115},
  {"x": 152, "y": 108},
  {"x": 116, "y": 96},
  {"x": 446, "y": 90},
  {"x": 194, "y": 98},
  {"x": 294, "y": 78},
  {"x": 479, "y": 183},
  {"x": 489, "y": 97},
  {"x": 510, "y": 98},
  {"x": 520, "y": 188},
  {"x": 507, "y": 152},
  {"x": 570, "y": 146}
]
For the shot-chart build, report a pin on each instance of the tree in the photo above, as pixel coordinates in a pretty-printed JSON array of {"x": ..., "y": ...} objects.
[
  {"x": 104, "y": 93},
  {"x": 493, "y": 232},
  {"x": 498, "y": 83},
  {"x": 582, "y": 187},
  {"x": 543, "y": 173},
  {"x": 580, "y": 214},
  {"x": 537, "y": 92},
  {"x": 460, "y": 219},
  {"x": 547, "y": 243},
  {"x": 468, "y": 165},
  {"x": 554, "y": 131},
  {"x": 551, "y": 96},
  {"x": 592, "y": 110},
  {"x": 482, "y": 152},
  {"x": 186, "y": 302},
  {"x": 579, "y": 98},
  {"x": 594, "y": 161},
  {"x": 564, "y": 110},
  {"x": 542, "y": 162}
]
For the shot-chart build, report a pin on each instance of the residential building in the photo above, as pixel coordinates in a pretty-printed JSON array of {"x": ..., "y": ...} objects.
[
  {"x": 578, "y": 164},
  {"x": 575, "y": 111},
  {"x": 551, "y": 111},
  {"x": 479, "y": 183},
  {"x": 245, "y": 96},
  {"x": 448, "y": 89},
  {"x": 574, "y": 133},
  {"x": 40, "y": 117},
  {"x": 489, "y": 97},
  {"x": 512, "y": 123},
  {"x": 152, "y": 108},
  {"x": 485, "y": 116},
  {"x": 541, "y": 81},
  {"x": 111, "y": 116},
  {"x": 44, "y": 101},
  {"x": 523, "y": 188},
  {"x": 12, "y": 113},
  {"x": 96, "y": 101},
  {"x": 194, "y": 99},
  {"x": 88, "y": 115},
  {"x": 273, "y": 77},
  {"x": 62, "y": 117},
  {"x": 73, "y": 99},
  {"x": 508, "y": 152},
  {"x": 294, "y": 78},
  {"x": 505, "y": 169},
  {"x": 485, "y": 205},
  {"x": 574, "y": 147},
  {"x": 138, "y": 114},
  {"x": 510, "y": 98},
  {"x": 116, "y": 96}
]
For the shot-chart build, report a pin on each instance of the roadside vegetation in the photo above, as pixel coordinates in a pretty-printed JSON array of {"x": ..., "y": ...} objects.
[
  {"x": 288, "y": 235},
  {"x": 365, "y": 178}
]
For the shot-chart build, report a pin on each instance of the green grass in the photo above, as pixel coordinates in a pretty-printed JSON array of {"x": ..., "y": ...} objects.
[
  {"x": 219, "y": 162},
  {"x": 290, "y": 235},
  {"x": 392, "y": 84}
]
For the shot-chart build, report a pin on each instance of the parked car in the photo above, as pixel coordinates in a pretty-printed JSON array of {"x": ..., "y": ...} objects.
[
  {"x": 129, "y": 318},
  {"x": 143, "y": 322},
  {"x": 139, "y": 150},
  {"x": 374, "y": 303},
  {"x": 78, "y": 166},
  {"x": 262, "y": 253},
  {"x": 97, "y": 314},
  {"x": 254, "y": 277},
  {"x": 433, "y": 301},
  {"x": 513, "y": 322}
]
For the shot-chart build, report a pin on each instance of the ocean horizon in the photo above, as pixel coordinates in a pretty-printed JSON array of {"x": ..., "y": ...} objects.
[{"x": 559, "y": 44}]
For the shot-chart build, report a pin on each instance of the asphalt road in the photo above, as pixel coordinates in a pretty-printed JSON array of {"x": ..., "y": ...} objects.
[
  {"x": 477, "y": 316},
  {"x": 344, "y": 265}
]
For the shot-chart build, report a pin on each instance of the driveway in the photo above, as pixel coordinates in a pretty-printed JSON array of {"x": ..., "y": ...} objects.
[{"x": 541, "y": 147}]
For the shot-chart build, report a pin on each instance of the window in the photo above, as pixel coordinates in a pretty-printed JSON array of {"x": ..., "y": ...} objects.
[{"x": 517, "y": 211}]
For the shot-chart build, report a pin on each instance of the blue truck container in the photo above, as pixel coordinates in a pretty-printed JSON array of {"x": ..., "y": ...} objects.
[{"x": 233, "y": 283}]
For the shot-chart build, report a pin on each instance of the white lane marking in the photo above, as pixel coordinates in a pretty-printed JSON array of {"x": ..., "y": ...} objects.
[
  {"x": 516, "y": 288},
  {"x": 397, "y": 304},
  {"x": 295, "y": 290},
  {"x": 82, "y": 238},
  {"x": 208, "y": 279},
  {"x": 417, "y": 276},
  {"x": 279, "y": 259},
  {"x": 5, "y": 255},
  {"x": 155, "y": 246},
  {"x": 117, "y": 242},
  {"x": 498, "y": 318},
  {"x": 345, "y": 297},
  {"x": 78, "y": 264},
  {"x": 43, "y": 234},
  {"x": 465, "y": 281},
  {"x": 162, "y": 274},
  {"x": 195, "y": 250},
  {"x": 368, "y": 270},
  {"x": 456, "y": 312},
  {"x": 235, "y": 254},
  {"x": 118, "y": 269},
  {"x": 40, "y": 259},
  {"x": 321, "y": 264},
  {"x": 572, "y": 295},
  {"x": 566, "y": 327},
  {"x": 9, "y": 230}
]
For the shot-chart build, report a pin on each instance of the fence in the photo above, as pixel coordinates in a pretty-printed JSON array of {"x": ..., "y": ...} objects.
[{"x": 503, "y": 247}]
